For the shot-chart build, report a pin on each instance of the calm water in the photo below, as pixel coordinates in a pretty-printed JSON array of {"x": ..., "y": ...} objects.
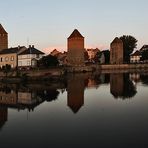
[{"x": 108, "y": 110}]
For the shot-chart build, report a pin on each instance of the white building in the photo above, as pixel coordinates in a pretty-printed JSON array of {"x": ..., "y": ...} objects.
[
  {"x": 135, "y": 57},
  {"x": 29, "y": 57}
]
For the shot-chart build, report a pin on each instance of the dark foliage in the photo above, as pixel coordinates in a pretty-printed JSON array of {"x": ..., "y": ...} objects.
[
  {"x": 48, "y": 61},
  {"x": 107, "y": 56},
  {"x": 129, "y": 44}
]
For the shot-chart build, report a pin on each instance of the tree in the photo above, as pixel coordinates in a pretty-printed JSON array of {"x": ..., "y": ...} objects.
[
  {"x": 48, "y": 61},
  {"x": 144, "y": 55},
  {"x": 97, "y": 57},
  {"x": 129, "y": 44},
  {"x": 107, "y": 56},
  {"x": 6, "y": 69},
  {"x": 86, "y": 57}
]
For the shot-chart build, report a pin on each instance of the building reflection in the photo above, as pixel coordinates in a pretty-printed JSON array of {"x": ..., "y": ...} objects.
[
  {"x": 3, "y": 116},
  {"x": 116, "y": 85},
  {"x": 28, "y": 97},
  {"x": 24, "y": 97},
  {"x": 75, "y": 92},
  {"x": 121, "y": 86}
]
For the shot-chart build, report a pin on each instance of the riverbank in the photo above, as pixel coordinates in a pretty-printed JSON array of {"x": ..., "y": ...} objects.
[{"x": 59, "y": 74}]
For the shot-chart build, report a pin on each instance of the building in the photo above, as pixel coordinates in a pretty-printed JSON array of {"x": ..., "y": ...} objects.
[
  {"x": 116, "y": 51},
  {"x": 144, "y": 47},
  {"x": 9, "y": 56},
  {"x": 28, "y": 57},
  {"x": 62, "y": 57},
  {"x": 55, "y": 52},
  {"x": 3, "y": 38},
  {"x": 76, "y": 49},
  {"x": 135, "y": 57},
  {"x": 92, "y": 53}
]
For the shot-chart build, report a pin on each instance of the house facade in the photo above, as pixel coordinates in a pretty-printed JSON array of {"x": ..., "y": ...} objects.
[
  {"x": 135, "y": 57},
  {"x": 28, "y": 57},
  {"x": 9, "y": 56}
]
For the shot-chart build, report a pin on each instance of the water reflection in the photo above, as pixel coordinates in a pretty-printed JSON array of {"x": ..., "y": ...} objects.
[
  {"x": 29, "y": 96},
  {"x": 62, "y": 112},
  {"x": 3, "y": 116},
  {"x": 121, "y": 86},
  {"x": 75, "y": 92}
]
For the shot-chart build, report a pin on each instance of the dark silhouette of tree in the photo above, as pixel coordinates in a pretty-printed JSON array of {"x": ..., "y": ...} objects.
[
  {"x": 107, "y": 56},
  {"x": 122, "y": 87},
  {"x": 129, "y": 88},
  {"x": 86, "y": 57},
  {"x": 6, "y": 69},
  {"x": 129, "y": 44},
  {"x": 144, "y": 78},
  {"x": 144, "y": 55},
  {"x": 48, "y": 61},
  {"x": 48, "y": 95},
  {"x": 97, "y": 57}
]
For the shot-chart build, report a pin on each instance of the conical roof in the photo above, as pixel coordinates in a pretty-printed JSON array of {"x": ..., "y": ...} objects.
[
  {"x": 75, "y": 34},
  {"x": 2, "y": 30},
  {"x": 117, "y": 40}
]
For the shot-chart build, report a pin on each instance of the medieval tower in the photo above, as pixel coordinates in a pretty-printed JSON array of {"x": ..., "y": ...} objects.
[
  {"x": 116, "y": 51},
  {"x": 76, "y": 49},
  {"x": 3, "y": 38}
]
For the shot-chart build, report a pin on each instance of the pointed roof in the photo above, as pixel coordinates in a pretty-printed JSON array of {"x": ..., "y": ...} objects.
[
  {"x": 75, "y": 34},
  {"x": 117, "y": 40},
  {"x": 2, "y": 30},
  {"x": 75, "y": 108},
  {"x": 137, "y": 53},
  {"x": 31, "y": 50}
]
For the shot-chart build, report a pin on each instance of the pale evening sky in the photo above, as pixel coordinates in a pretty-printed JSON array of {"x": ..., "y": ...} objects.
[{"x": 48, "y": 23}]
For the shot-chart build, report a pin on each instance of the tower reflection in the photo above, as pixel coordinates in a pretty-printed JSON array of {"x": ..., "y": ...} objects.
[
  {"x": 121, "y": 86},
  {"x": 75, "y": 91}
]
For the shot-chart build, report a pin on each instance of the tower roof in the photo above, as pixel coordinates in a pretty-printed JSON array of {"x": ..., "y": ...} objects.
[
  {"x": 75, "y": 34},
  {"x": 2, "y": 30},
  {"x": 117, "y": 40}
]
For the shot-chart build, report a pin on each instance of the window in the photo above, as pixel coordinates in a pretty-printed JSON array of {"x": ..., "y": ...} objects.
[
  {"x": 6, "y": 59},
  {"x": 12, "y": 58},
  {"x": 12, "y": 65},
  {"x": 20, "y": 63},
  {"x": 1, "y": 59},
  {"x": 28, "y": 63},
  {"x": 37, "y": 56}
]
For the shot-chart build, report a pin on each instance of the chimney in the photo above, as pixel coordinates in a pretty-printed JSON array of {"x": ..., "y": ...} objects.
[
  {"x": 32, "y": 46},
  {"x": 29, "y": 46},
  {"x": 19, "y": 46}
]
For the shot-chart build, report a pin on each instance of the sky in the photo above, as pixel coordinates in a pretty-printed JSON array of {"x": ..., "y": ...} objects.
[{"x": 48, "y": 23}]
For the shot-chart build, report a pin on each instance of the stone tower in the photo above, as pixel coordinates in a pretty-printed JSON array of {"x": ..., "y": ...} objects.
[
  {"x": 76, "y": 49},
  {"x": 116, "y": 51},
  {"x": 3, "y": 38}
]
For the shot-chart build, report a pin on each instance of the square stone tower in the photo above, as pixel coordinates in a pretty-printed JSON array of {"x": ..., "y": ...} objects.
[
  {"x": 76, "y": 49},
  {"x": 3, "y": 38},
  {"x": 116, "y": 51}
]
